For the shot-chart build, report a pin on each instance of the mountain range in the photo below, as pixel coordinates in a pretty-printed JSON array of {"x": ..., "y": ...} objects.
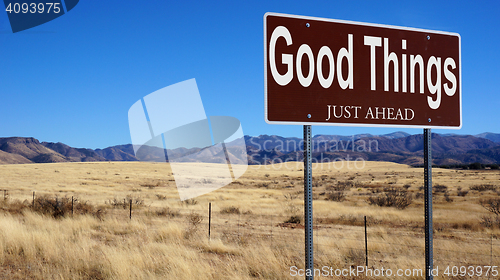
[{"x": 400, "y": 147}]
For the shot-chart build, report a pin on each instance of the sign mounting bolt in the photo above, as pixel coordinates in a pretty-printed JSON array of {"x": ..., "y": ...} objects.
[
  {"x": 307, "y": 24},
  {"x": 308, "y": 116},
  {"x": 429, "y": 119}
]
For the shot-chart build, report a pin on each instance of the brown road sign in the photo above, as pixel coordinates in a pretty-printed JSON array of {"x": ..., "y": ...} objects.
[{"x": 331, "y": 72}]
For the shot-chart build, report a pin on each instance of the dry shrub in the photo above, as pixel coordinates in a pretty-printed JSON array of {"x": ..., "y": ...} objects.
[
  {"x": 230, "y": 210},
  {"x": 490, "y": 221},
  {"x": 338, "y": 196},
  {"x": 290, "y": 206},
  {"x": 194, "y": 220},
  {"x": 351, "y": 220},
  {"x": 483, "y": 187},
  {"x": 491, "y": 204},
  {"x": 60, "y": 207},
  {"x": 462, "y": 193},
  {"x": 355, "y": 257},
  {"x": 295, "y": 219},
  {"x": 190, "y": 201},
  {"x": 125, "y": 203},
  {"x": 168, "y": 212},
  {"x": 14, "y": 206},
  {"x": 392, "y": 197},
  {"x": 161, "y": 196},
  {"x": 438, "y": 188},
  {"x": 342, "y": 186},
  {"x": 447, "y": 197}
]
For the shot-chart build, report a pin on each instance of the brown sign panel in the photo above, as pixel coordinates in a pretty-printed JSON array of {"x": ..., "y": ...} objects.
[{"x": 331, "y": 72}]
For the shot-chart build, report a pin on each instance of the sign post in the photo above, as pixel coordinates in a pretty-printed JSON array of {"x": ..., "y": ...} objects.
[
  {"x": 308, "y": 201},
  {"x": 321, "y": 71},
  {"x": 428, "y": 203}
]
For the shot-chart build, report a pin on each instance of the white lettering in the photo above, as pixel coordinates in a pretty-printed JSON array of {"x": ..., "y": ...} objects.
[
  {"x": 325, "y": 51},
  {"x": 305, "y": 81},
  {"x": 348, "y": 55},
  {"x": 388, "y": 58},
  {"x": 434, "y": 88},
  {"x": 287, "y": 59},
  {"x": 450, "y": 76},
  {"x": 373, "y": 42}
]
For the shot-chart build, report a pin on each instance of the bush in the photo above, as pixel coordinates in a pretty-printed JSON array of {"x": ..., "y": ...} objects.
[
  {"x": 440, "y": 188},
  {"x": 230, "y": 210},
  {"x": 447, "y": 197},
  {"x": 125, "y": 203},
  {"x": 492, "y": 205},
  {"x": 194, "y": 220},
  {"x": 344, "y": 185},
  {"x": 354, "y": 257},
  {"x": 167, "y": 212},
  {"x": 190, "y": 201},
  {"x": 462, "y": 193},
  {"x": 490, "y": 222},
  {"x": 338, "y": 196},
  {"x": 161, "y": 196},
  {"x": 483, "y": 187},
  {"x": 60, "y": 207},
  {"x": 295, "y": 219},
  {"x": 392, "y": 197}
]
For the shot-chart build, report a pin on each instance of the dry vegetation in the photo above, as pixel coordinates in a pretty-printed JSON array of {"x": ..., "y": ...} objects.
[{"x": 256, "y": 221}]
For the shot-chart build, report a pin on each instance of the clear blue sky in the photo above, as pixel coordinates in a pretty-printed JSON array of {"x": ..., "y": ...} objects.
[{"x": 73, "y": 79}]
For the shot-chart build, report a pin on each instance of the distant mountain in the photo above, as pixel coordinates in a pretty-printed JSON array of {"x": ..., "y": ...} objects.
[
  {"x": 397, "y": 147},
  {"x": 31, "y": 149},
  {"x": 446, "y": 150},
  {"x": 490, "y": 153},
  {"x": 73, "y": 154},
  {"x": 117, "y": 153},
  {"x": 495, "y": 137}
]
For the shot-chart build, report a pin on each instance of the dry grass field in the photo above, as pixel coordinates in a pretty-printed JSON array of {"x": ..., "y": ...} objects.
[{"x": 256, "y": 230}]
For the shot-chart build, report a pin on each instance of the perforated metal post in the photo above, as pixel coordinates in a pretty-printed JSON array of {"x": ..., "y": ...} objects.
[
  {"x": 428, "y": 203},
  {"x": 308, "y": 207},
  {"x": 209, "y": 218}
]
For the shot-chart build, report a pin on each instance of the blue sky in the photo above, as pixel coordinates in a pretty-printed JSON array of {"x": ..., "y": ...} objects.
[{"x": 73, "y": 79}]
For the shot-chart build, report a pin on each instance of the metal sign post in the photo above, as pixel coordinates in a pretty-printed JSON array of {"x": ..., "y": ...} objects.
[
  {"x": 308, "y": 207},
  {"x": 428, "y": 203}
]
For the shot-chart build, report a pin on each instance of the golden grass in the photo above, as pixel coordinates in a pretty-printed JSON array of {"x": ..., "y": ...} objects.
[{"x": 162, "y": 241}]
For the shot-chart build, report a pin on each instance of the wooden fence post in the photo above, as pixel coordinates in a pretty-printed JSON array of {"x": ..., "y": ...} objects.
[{"x": 131, "y": 209}]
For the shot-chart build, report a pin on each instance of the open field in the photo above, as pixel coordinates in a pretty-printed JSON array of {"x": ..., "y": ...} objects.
[{"x": 254, "y": 233}]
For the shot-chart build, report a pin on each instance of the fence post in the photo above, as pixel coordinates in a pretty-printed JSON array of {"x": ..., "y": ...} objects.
[
  {"x": 239, "y": 216},
  {"x": 131, "y": 209},
  {"x": 491, "y": 254},
  {"x": 33, "y": 204},
  {"x": 209, "y": 218},
  {"x": 271, "y": 231},
  {"x": 72, "y": 206},
  {"x": 366, "y": 245},
  {"x": 4, "y": 194}
]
